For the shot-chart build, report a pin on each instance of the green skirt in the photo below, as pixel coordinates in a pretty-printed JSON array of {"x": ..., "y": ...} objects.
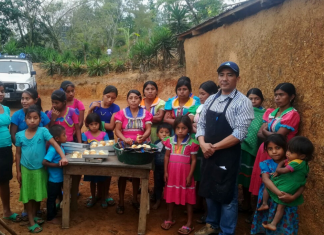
[
  {"x": 154, "y": 136},
  {"x": 247, "y": 162},
  {"x": 33, "y": 185}
]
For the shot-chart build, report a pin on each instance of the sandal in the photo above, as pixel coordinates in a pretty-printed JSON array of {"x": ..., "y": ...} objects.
[
  {"x": 34, "y": 227},
  {"x": 120, "y": 210},
  {"x": 14, "y": 218},
  {"x": 38, "y": 220},
  {"x": 110, "y": 201},
  {"x": 136, "y": 205},
  {"x": 185, "y": 230},
  {"x": 167, "y": 224}
]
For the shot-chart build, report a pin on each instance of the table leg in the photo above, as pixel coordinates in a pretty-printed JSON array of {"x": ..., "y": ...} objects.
[
  {"x": 143, "y": 208},
  {"x": 74, "y": 191},
  {"x": 66, "y": 201}
]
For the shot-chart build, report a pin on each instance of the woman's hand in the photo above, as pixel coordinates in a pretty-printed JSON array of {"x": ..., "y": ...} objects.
[
  {"x": 166, "y": 176},
  {"x": 94, "y": 105},
  {"x": 286, "y": 197},
  {"x": 188, "y": 180},
  {"x": 207, "y": 149},
  {"x": 128, "y": 141},
  {"x": 140, "y": 139},
  {"x": 55, "y": 114},
  {"x": 19, "y": 177}
]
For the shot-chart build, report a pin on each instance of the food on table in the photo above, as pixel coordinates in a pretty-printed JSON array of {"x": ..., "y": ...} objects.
[
  {"x": 110, "y": 142},
  {"x": 76, "y": 154},
  {"x": 138, "y": 138},
  {"x": 101, "y": 152},
  {"x": 92, "y": 151},
  {"x": 103, "y": 143},
  {"x": 147, "y": 147},
  {"x": 133, "y": 146},
  {"x": 139, "y": 146},
  {"x": 100, "y": 145},
  {"x": 86, "y": 152},
  {"x": 94, "y": 145}
]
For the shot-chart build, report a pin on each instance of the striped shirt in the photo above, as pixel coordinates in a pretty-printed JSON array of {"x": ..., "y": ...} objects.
[{"x": 239, "y": 113}]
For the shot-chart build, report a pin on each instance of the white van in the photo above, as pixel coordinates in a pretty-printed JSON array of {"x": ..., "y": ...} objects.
[{"x": 17, "y": 73}]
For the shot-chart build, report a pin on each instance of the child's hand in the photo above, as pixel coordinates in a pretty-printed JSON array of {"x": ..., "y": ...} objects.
[
  {"x": 63, "y": 162},
  {"x": 19, "y": 177},
  {"x": 166, "y": 176},
  {"x": 275, "y": 174},
  {"x": 55, "y": 114},
  {"x": 188, "y": 181}
]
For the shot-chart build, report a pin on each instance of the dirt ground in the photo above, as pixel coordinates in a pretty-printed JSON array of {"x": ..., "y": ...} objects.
[{"x": 95, "y": 220}]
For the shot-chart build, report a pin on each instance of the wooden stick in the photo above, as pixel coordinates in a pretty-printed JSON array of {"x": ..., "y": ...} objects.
[{"x": 7, "y": 227}]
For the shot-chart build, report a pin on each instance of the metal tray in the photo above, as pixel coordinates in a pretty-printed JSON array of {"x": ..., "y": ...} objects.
[
  {"x": 110, "y": 148},
  {"x": 75, "y": 145},
  {"x": 97, "y": 155},
  {"x": 94, "y": 160},
  {"x": 74, "y": 159}
]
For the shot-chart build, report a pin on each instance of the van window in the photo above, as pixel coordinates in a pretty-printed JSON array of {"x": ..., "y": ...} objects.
[{"x": 13, "y": 67}]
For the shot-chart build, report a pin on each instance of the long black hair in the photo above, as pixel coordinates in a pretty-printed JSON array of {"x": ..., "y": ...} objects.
[
  {"x": 34, "y": 95},
  {"x": 33, "y": 109},
  {"x": 210, "y": 87},
  {"x": 288, "y": 88},
  {"x": 255, "y": 91},
  {"x": 59, "y": 95},
  {"x": 66, "y": 84},
  {"x": 183, "y": 82},
  {"x": 93, "y": 117}
]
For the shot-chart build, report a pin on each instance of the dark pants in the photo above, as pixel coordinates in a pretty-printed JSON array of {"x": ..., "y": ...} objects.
[
  {"x": 53, "y": 191},
  {"x": 158, "y": 181}
]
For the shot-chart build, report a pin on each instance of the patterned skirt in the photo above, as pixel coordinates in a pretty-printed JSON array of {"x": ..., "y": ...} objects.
[{"x": 247, "y": 162}]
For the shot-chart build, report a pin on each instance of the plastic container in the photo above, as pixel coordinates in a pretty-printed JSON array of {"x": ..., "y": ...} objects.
[{"x": 134, "y": 158}]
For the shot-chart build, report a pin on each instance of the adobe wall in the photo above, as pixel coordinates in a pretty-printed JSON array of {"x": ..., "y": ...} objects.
[{"x": 281, "y": 44}]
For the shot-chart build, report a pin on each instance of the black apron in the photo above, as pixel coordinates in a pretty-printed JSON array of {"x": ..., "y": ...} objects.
[{"x": 220, "y": 171}]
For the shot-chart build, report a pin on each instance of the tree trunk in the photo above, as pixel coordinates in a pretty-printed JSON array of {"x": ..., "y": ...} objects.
[{"x": 192, "y": 11}]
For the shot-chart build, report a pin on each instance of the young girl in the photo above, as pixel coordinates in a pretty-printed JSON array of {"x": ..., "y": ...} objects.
[
  {"x": 69, "y": 89},
  {"x": 290, "y": 175},
  {"x": 30, "y": 152},
  {"x": 94, "y": 133},
  {"x": 65, "y": 116},
  {"x": 275, "y": 145},
  {"x": 106, "y": 109},
  {"x": 179, "y": 165},
  {"x": 249, "y": 148},
  {"x": 28, "y": 98}
]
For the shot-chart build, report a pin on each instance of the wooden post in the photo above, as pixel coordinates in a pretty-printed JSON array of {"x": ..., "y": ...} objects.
[
  {"x": 7, "y": 227},
  {"x": 143, "y": 208},
  {"x": 74, "y": 191},
  {"x": 66, "y": 201}
]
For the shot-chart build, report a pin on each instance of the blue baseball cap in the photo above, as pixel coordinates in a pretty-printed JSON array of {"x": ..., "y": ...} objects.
[{"x": 231, "y": 65}]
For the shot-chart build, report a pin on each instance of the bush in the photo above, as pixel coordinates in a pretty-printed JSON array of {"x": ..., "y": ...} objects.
[
  {"x": 97, "y": 68},
  {"x": 120, "y": 66}
]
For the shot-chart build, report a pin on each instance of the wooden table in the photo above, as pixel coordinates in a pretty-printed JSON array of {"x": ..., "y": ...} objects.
[{"x": 110, "y": 167}]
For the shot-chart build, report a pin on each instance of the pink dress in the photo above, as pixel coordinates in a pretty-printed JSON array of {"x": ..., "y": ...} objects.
[
  {"x": 77, "y": 104},
  {"x": 68, "y": 120},
  {"x": 131, "y": 127},
  {"x": 288, "y": 119},
  {"x": 88, "y": 137},
  {"x": 178, "y": 169}
]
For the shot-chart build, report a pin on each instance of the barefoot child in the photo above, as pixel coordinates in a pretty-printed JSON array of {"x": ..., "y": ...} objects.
[
  {"x": 31, "y": 174},
  {"x": 275, "y": 145},
  {"x": 290, "y": 175},
  {"x": 179, "y": 165},
  {"x": 55, "y": 172},
  {"x": 94, "y": 133},
  {"x": 65, "y": 116},
  {"x": 163, "y": 130}
]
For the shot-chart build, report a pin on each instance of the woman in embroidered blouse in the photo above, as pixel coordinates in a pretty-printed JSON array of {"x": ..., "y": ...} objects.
[
  {"x": 152, "y": 103},
  {"x": 132, "y": 124},
  {"x": 180, "y": 105},
  {"x": 284, "y": 120}
]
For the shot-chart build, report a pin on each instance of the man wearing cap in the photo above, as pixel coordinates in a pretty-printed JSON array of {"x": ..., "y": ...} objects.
[{"x": 223, "y": 124}]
